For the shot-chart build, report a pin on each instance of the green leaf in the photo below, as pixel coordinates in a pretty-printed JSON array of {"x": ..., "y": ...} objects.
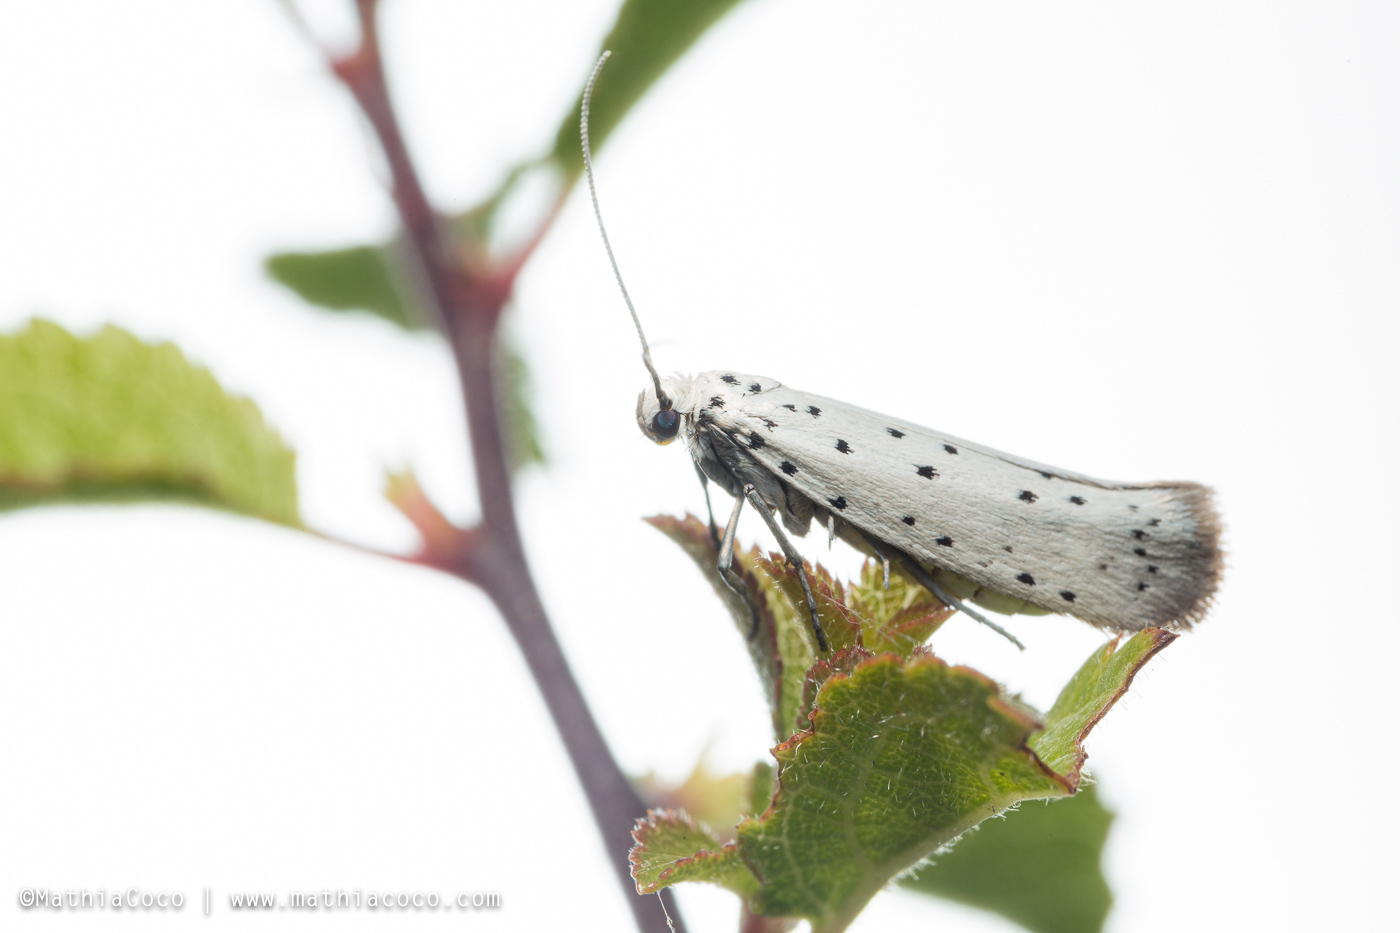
[
  {"x": 899, "y": 618},
  {"x": 647, "y": 37},
  {"x": 1039, "y": 867},
  {"x": 109, "y": 418},
  {"x": 788, "y": 630},
  {"x": 358, "y": 278},
  {"x": 902, "y": 758},
  {"x": 522, "y": 439},
  {"x": 672, "y": 847},
  {"x": 1090, "y": 693},
  {"x": 841, "y": 625},
  {"x": 904, "y": 755}
]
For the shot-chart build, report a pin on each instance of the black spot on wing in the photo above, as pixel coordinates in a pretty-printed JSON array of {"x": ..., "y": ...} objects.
[
  {"x": 788, "y": 468},
  {"x": 730, "y": 379},
  {"x": 1140, "y": 534},
  {"x": 1154, "y": 523},
  {"x": 1141, "y": 587},
  {"x": 1007, "y": 549},
  {"x": 1077, "y": 500},
  {"x": 1026, "y": 578},
  {"x": 755, "y": 441},
  {"x": 1140, "y": 552},
  {"x": 895, "y": 432},
  {"x": 944, "y": 541},
  {"x": 769, "y": 423},
  {"x": 814, "y": 411},
  {"x": 790, "y": 407},
  {"x": 1151, "y": 568},
  {"x": 950, "y": 448},
  {"x": 1047, "y": 475},
  {"x": 908, "y": 519},
  {"x": 1027, "y": 496},
  {"x": 927, "y": 472},
  {"x": 1067, "y": 596},
  {"x": 839, "y": 502},
  {"x": 717, "y": 402},
  {"x": 843, "y": 446},
  {"x": 755, "y": 387}
]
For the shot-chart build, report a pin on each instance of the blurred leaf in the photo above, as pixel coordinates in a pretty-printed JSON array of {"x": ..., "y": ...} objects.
[
  {"x": 109, "y": 418},
  {"x": 522, "y": 440},
  {"x": 442, "y": 544},
  {"x": 366, "y": 278},
  {"x": 715, "y": 800},
  {"x": 358, "y": 278},
  {"x": 763, "y": 782},
  {"x": 1039, "y": 867},
  {"x": 671, "y": 847},
  {"x": 647, "y": 37}
]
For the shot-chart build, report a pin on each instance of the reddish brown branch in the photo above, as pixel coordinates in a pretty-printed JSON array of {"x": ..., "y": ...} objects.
[{"x": 468, "y": 303}]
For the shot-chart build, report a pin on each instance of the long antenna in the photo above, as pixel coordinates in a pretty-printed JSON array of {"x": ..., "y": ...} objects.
[{"x": 661, "y": 396}]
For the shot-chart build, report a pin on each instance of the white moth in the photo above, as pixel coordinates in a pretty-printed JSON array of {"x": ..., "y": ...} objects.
[{"x": 962, "y": 520}]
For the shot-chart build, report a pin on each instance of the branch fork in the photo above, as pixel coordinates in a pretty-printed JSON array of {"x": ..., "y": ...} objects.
[{"x": 466, "y": 297}]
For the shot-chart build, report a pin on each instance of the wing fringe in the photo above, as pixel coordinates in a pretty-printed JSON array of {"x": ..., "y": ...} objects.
[{"x": 1210, "y": 562}]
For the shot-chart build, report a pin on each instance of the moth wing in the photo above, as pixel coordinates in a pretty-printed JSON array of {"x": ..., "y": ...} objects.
[{"x": 1116, "y": 555}]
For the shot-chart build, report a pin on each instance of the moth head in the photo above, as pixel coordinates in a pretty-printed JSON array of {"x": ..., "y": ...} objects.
[{"x": 659, "y": 420}]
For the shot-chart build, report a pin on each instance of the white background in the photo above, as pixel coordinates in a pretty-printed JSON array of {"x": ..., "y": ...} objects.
[{"x": 1142, "y": 242}]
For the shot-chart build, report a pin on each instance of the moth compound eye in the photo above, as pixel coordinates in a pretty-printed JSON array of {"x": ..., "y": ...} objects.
[{"x": 664, "y": 425}]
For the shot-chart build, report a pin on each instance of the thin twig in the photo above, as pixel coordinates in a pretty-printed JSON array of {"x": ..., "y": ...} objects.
[{"x": 468, "y": 308}]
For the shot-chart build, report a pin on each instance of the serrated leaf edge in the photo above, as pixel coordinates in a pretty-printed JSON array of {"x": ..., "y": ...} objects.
[{"x": 641, "y": 833}]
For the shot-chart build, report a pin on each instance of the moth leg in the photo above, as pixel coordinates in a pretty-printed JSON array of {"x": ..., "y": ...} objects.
[
  {"x": 793, "y": 558},
  {"x": 883, "y": 560},
  {"x": 925, "y": 579},
  {"x": 726, "y": 561},
  {"x": 704, "y": 486},
  {"x": 830, "y": 530}
]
